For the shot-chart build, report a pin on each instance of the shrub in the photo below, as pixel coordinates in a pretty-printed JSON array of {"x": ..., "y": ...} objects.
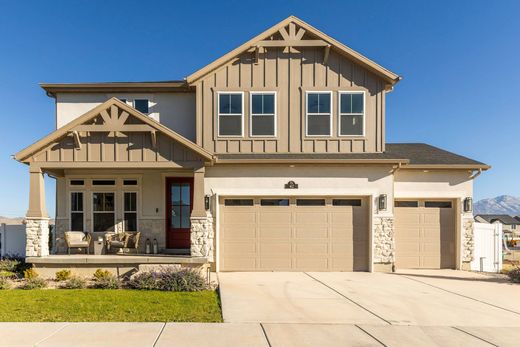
[
  {"x": 102, "y": 274},
  {"x": 34, "y": 283},
  {"x": 75, "y": 282},
  {"x": 184, "y": 280},
  {"x": 30, "y": 273},
  {"x": 514, "y": 275},
  {"x": 107, "y": 283},
  {"x": 7, "y": 274},
  {"x": 8, "y": 264},
  {"x": 63, "y": 275},
  {"x": 5, "y": 283},
  {"x": 144, "y": 281}
]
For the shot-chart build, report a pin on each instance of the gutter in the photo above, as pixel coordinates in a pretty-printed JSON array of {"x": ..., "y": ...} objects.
[{"x": 475, "y": 175}]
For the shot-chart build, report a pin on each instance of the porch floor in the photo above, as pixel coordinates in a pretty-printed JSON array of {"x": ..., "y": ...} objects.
[{"x": 117, "y": 259}]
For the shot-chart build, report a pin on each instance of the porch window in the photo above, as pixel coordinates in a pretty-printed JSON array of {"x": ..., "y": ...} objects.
[
  {"x": 230, "y": 114},
  {"x": 141, "y": 105},
  {"x": 130, "y": 211},
  {"x": 351, "y": 113},
  {"x": 263, "y": 115},
  {"x": 103, "y": 210},
  {"x": 76, "y": 211},
  {"x": 319, "y": 114}
]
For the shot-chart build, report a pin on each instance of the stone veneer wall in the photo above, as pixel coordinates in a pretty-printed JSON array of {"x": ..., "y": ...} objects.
[
  {"x": 37, "y": 233},
  {"x": 384, "y": 243},
  {"x": 202, "y": 236},
  {"x": 468, "y": 243}
]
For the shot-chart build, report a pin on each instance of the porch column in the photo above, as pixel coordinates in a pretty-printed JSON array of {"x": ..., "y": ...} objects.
[
  {"x": 37, "y": 219},
  {"x": 202, "y": 233}
]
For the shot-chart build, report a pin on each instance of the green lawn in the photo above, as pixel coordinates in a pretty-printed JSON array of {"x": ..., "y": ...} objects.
[{"x": 93, "y": 305}]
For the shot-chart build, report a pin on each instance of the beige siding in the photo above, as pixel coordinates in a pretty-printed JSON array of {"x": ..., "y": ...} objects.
[
  {"x": 119, "y": 147},
  {"x": 291, "y": 75}
]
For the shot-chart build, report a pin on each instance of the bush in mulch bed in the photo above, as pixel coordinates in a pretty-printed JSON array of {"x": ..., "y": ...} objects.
[
  {"x": 514, "y": 275},
  {"x": 167, "y": 279}
]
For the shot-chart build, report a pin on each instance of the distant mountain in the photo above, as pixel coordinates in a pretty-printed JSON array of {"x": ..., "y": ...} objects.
[{"x": 504, "y": 204}]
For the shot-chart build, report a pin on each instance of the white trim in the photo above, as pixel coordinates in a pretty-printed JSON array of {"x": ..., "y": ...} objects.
[
  {"x": 92, "y": 208},
  {"x": 69, "y": 205},
  {"x": 307, "y": 113},
  {"x": 340, "y": 92},
  {"x": 123, "y": 192},
  {"x": 275, "y": 114},
  {"x": 232, "y": 114}
]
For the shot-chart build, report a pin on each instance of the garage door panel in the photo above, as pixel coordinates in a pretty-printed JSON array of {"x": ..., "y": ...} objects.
[
  {"x": 275, "y": 232},
  {"x": 239, "y": 247},
  {"x": 239, "y": 217},
  {"x": 314, "y": 248},
  {"x": 311, "y": 216},
  {"x": 233, "y": 232},
  {"x": 293, "y": 238},
  {"x": 311, "y": 232},
  {"x": 275, "y": 218},
  {"x": 275, "y": 248}
]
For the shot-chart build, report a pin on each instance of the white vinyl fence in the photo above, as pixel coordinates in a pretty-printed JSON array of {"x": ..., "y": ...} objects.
[
  {"x": 12, "y": 239},
  {"x": 488, "y": 247}
]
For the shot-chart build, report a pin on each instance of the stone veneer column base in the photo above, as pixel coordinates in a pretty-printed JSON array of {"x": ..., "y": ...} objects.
[
  {"x": 37, "y": 233},
  {"x": 468, "y": 243},
  {"x": 202, "y": 236},
  {"x": 384, "y": 244}
]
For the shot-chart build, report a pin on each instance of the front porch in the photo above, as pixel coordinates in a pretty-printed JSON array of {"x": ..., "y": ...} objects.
[
  {"x": 118, "y": 264},
  {"x": 119, "y": 172}
]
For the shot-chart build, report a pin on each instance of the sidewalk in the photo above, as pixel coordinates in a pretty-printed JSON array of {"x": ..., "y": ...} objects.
[{"x": 247, "y": 334}]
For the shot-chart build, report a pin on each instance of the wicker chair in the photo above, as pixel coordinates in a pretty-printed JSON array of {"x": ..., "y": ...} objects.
[
  {"x": 124, "y": 241},
  {"x": 78, "y": 239}
]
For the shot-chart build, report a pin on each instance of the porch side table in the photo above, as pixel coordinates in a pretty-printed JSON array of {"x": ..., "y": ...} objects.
[{"x": 99, "y": 247}]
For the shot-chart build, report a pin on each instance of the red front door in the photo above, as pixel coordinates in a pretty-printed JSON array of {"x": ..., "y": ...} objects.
[{"x": 179, "y": 203}]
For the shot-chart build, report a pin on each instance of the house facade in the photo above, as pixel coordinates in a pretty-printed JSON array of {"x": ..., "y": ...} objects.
[{"x": 271, "y": 158}]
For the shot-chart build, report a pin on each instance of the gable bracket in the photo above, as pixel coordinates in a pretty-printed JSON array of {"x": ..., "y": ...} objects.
[
  {"x": 77, "y": 141},
  {"x": 326, "y": 55}
]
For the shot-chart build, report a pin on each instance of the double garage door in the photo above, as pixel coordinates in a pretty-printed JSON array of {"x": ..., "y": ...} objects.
[
  {"x": 425, "y": 234},
  {"x": 293, "y": 234}
]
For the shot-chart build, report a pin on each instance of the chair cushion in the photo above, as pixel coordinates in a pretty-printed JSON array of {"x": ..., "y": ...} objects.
[
  {"x": 117, "y": 244},
  {"x": 75, "y": 236},
  {"x": 78, "y": 244}
]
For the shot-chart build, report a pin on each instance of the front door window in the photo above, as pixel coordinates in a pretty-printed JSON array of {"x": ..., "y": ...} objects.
[{"x": 180, "y": 203}]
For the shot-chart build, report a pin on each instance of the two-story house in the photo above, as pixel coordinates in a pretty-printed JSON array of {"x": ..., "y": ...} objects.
[{"x": 271, "y": 158}]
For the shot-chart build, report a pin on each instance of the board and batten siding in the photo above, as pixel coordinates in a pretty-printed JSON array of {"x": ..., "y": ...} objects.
[
  {"x": 117, "y": 147},
  {"x": 290, "y": 75}
]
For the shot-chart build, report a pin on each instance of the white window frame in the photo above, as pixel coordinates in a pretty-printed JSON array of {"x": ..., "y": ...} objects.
[
  {"x": 341, "y": 92},
  {"x": 148, "y": 101},
  {"x": 307, "y": 113},
  {"x": 230, "y": 114},
  {"x": 93, "y": 212},
  {"x": 275, "y": 114},
  {"x": 71, "y": 211},
  {"x": 136, "y": 207}
]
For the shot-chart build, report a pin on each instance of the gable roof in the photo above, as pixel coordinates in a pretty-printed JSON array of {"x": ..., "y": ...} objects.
[
  {"x": 382, "y": 72},
  {"x": 26, "y": 153},
  {"x": 502, "y": 218}
]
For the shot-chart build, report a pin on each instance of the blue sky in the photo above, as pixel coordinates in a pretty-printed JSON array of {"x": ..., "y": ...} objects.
[{"x": 458, "y": 59}]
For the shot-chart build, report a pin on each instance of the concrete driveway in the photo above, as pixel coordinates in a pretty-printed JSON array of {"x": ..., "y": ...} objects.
[{"x": 422, "y": 298}]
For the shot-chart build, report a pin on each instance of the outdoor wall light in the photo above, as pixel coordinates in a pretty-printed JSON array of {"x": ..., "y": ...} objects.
[
  {"x": 207, "y": 202},
  {"x": 382, "y": 202},
  {"x": 468, "y": 204}
]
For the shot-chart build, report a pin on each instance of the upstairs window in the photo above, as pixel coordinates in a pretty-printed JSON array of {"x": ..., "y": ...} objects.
[
  {"x": 263, "y": 119},
  {"x": 141, "y": 105},
  {"x": 319, "y": 114},
  {"x": 351, "y": 113},
  {"x": 230, "y": 114}
]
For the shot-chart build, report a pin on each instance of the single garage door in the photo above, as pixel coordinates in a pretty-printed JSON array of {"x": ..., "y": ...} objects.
[
  {"x": 293, "y": 234},
  {"x": 424, "y": 234}
]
